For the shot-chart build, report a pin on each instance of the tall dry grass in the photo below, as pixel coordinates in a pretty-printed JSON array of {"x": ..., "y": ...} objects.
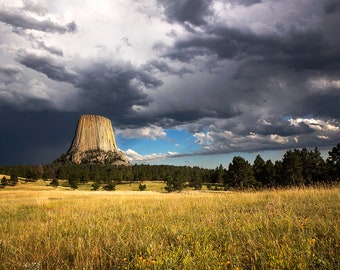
[{"x": 285, "y": 229}]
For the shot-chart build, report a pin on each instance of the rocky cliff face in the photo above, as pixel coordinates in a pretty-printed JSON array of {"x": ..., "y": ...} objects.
[{"x": 94, "y": 142}]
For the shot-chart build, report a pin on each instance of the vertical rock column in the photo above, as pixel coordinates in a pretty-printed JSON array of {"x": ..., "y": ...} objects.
[
  {"x": 94, "y": 141},
  {"x": 94, "y": 132}
]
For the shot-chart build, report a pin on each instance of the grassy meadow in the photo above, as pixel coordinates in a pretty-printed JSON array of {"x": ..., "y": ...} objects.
[{"x": 54, "y": 228}]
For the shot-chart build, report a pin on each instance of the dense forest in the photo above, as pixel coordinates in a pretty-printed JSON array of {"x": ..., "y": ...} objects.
[{"x": 298, "y": 167}]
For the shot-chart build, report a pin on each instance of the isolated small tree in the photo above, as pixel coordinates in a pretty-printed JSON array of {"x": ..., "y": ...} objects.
[
  {"x": 4, "y": 181},
  {"x": 142, "y": 187},
  {"x": 174, "y": 182},
  {"x": 110, "y": 186},
  {"x": 13, "y": 180},
  {"x": 169, "y": 183},
  {"x": 73, "y": 182},
  {"x": 96, "y": 185},
  {"x": 54, "y": 182}
]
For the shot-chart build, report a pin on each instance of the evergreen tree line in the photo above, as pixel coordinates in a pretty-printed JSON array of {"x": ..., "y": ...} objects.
[{"x": 298, "y": 167}]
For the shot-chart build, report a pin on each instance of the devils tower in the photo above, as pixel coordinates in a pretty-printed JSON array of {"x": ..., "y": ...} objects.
[{"x": 94, "y": 142}]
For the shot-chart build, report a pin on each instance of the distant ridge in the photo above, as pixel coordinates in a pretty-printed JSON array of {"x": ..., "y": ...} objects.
[{"x": 94, "y": 142}]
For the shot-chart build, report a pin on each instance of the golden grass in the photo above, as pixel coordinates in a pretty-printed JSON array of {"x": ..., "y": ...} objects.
[
  {"x": 157, "y": 186},
  {"x": 58, "y": 229}
]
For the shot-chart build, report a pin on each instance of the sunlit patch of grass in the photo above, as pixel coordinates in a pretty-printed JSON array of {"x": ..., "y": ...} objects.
[
  {"x": 57, "y": 229},
  {"x": 157, "y": 186}
]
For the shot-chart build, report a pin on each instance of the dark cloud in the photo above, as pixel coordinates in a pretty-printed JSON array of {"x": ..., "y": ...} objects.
[
  {"x": 34, "y": 137},
  {"x": 48, "y": 66},
  {"x": 282, "y": 128},
  {"x": 322, "y": 104},
  {"x": 241, "y": 134},
  {"x": 22, "y": 21},
  {"x": 181, "y": 117},
  {"x": 115, "y": 88},
  {"x": 51, "y": 49},
  {"x": 225, "y": 42},
  {"x": 253, "y": 122},
  {"x": 182, "y": 11},
  {"x": 332, "y": 7},
  {"x": 38, "y": 43},
  {"x": 271, "y": 82},
  {"x": 164, "y": 67},
  {"x": 245, "y": 2},
  {"x": 297, "y": 49},
  {"x": 8, "y": 73}
]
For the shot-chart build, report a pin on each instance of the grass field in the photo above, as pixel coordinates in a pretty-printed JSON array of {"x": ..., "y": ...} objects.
[{"x": 46, "y": 228}]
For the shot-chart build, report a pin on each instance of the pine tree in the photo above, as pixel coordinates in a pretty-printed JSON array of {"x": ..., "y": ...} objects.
[
  {"x": 196, "y": 180},
  {"x": 333, "y": 162},
  {"x": 269, "y": 178},
  {"x": 259, "y": 168},
  {"x": 240, "y": 173},
  {"x": 174, "y": 182},
  {"x": 73, "y": 181},
  {"x": 292, "y": 168}
]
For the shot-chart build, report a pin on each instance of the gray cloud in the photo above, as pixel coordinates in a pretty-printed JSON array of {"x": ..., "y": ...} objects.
[
  {"x": 322, "y": 105},
  {"x": 251, "y": 134},
  {"x": 104, "y": 86},
  {"x": 192, "y": 11},
  {"x": 51, "y": 49},
  {"x": 245, "y": 2},
  {"x": 38, "y": 43},
  {"x": 48, "y": 66},
  {"x": 21, "y": 21},
  {"x": 296, "y": 49},
  {"x": 164, "y": 67},
  {"x": 115, "y": 88},
  {"x": 8, "y": 72},
  {"x": 34, "y": 7},
  {"x": 332, "y": 7},
  {"x": 273, "y": 69}
]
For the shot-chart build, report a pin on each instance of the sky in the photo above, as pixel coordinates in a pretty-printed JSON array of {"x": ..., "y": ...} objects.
[{"x": 184, "y": 82}]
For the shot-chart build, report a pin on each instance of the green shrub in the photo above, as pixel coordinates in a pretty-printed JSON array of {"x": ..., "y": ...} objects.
[
  {"x": 54, "y": 182},
  {"x": 110, "y": 186},
  {"x": 142, "y": 187}
]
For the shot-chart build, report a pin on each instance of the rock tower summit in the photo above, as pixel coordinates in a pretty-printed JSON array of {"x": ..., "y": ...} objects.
[
  {"x": 93, "y": 132},
  {"x": 94, "y": 142}
]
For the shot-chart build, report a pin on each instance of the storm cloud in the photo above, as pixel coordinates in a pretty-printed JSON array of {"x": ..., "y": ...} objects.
[
  {"x": 237, "y": 75},
  {"x": 182, "y": 11},
  {"x": 22, "y": 21},
  {"x": 48, "y": 66}
]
